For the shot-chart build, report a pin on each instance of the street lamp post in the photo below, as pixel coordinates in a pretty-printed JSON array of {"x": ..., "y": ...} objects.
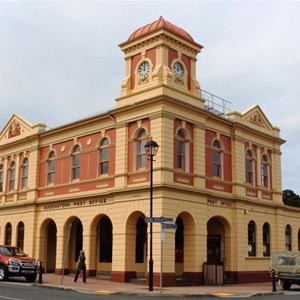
[{"x": 151, "y": 148}]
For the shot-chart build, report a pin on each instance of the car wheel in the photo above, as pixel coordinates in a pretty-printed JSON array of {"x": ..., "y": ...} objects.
[
  {"x": 3, "y": 273},
  {"x": 31, "y": 278},
  {"x": 286, "y": 285}
]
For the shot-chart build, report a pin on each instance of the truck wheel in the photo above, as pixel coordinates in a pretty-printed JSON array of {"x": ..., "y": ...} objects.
[
  {"x": 31, "y": 278},
  {"x": 286, "y": 285},
  {"x": 3, "y": 273}
]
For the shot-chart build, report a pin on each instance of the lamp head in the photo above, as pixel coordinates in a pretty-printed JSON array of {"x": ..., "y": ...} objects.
[{"x": 151, "y": 148}]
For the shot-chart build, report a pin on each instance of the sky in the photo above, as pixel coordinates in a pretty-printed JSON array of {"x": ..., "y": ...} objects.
[{"x": 60, "y": 60}]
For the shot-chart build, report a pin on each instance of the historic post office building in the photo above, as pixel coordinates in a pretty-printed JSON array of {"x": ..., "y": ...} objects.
[{"x": 85, "y": 185}]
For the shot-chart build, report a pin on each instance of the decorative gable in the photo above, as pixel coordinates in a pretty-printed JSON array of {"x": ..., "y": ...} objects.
[
  {"x": 255, "y": 118},
  {"x": 19, "y": 128}
]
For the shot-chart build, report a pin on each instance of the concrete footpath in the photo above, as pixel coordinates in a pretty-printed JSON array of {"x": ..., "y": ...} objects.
[{"x": 100, "y": 286}]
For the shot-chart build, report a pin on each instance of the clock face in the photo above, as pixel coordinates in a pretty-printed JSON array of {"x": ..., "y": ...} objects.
[
  {"x": 144, "y": 70},
  {"x": 178, "y": 70}
]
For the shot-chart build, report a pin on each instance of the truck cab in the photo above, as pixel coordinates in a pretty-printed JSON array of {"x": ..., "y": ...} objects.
[{"x": 15, "y": 263}]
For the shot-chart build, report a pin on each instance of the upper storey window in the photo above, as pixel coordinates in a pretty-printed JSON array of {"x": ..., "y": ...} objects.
[
  {"x": 24, "y": 173},
  {"x": 265, "y": 171},
  {"x": 140, "y": 144},
  {"x": 249, "y": 165},
  {"x": 11, "y": 176},
  {"x": 51, "y": 168},
  {"x": 217, "y": 159},
  {"x": 104, "y": 157},
  {"x": 182, "y": 150},
  {"x": 1, "y": 177},
  {"x": 76, "y": 162}
]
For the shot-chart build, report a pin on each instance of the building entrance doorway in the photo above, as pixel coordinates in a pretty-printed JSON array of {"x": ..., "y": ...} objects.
[
  {"x": 214, "y": 248},
  {"x": 218, "y": 233}
]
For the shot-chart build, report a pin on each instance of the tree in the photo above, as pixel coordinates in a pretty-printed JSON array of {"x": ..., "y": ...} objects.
[{"x": 290, "y": 198}]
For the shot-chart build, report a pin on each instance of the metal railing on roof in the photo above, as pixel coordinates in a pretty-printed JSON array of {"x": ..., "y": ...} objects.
[{"x": 215, "y": 104}]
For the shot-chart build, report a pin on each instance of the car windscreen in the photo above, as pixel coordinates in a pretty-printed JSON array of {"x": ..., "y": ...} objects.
[{"x": 11, "y": 251}]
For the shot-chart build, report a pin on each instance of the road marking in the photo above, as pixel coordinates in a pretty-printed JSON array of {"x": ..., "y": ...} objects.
[
  {"x": 222, "y": 294},
  {"x": 106, "y": 292},
  {"x": 3, "y": 297}
]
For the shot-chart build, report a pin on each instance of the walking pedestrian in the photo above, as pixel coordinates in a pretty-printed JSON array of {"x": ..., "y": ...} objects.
[{"x": 80, "y": 265}]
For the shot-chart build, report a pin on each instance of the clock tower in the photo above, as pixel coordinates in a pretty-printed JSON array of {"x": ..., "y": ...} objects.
[{"x": 160, "y": 60}]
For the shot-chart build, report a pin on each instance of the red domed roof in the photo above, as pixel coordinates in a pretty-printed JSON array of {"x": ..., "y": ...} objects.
[{"x": 161, "y": 23}]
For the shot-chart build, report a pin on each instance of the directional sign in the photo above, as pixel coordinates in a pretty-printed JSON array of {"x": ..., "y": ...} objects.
[
  {"x": 164, "y": 220},
  {"x": 148, "y": 220},
  {"x": 158, "y": 220},
  {"x": 168, "y": 226}
]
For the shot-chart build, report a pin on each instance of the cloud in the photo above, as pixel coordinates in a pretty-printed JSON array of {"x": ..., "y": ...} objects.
[{"x": 60, "y": 60}]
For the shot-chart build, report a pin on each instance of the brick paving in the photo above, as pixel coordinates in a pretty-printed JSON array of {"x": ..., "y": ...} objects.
[{"x": 100, "y": 286}]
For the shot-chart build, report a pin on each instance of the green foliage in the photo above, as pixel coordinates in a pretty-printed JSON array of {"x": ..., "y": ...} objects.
[{"x": 290, "y": 198}]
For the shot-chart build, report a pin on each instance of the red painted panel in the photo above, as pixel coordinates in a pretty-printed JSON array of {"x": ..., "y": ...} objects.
[
  {"x": 226, "y": 140},
  {"x": 187, "y": 62},
  {"x": 172, "y": 55},
  {"x": 134, "y": 61},
  {"x": 209, "y": 136},
  {"x": 42, "y": 174},
  {"x": 227, "y": 167},
  {"x": 151, "y": 54}
]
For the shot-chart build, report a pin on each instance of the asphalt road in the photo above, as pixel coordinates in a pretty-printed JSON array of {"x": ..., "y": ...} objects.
[{"x": 24, "y": 291}]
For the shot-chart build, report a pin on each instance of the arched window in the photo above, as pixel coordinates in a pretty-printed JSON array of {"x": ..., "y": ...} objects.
[
  {"x": 141, "y": 153},
  {"x": 51, "y": 168},
  {"x": 104, "y": 157},
  {"x": 266, "y": 239},
  {"x": 249, "y": 165},
  {"x": 20, "y": 235},
  {"x": 217, "y": 159},
  {"x": 265, "y": 171},
  {"x": 288, "y": 238},
  {"x": 1, "y": 177},
  {"x": 140, "y": 240},
  {"x": 251, "y": 238},
  {"x": 12, "y": 176},
  {"x": 76, "y": 162},
  {"x": 24, "y": 173},
  {"x": 106, "y": 241},
  {"x": 182, "y": 151},
  {"x": 7, "y": 234},
  {"x": 180, "y": 147}
]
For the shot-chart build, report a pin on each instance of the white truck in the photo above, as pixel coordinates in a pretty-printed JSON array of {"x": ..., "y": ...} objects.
[{"x": 285, "y": 266}]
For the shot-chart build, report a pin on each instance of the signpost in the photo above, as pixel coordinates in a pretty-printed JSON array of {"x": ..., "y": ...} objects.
[{"x": 162, "y": 220}]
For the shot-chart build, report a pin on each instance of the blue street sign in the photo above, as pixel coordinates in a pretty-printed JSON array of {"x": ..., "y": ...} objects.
[
  {"x": 157, "y": 220},
  {"x": 168, "y": 226},
  {"x": 148, "y": 220},
  {"x": 164, "y": 220}
]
